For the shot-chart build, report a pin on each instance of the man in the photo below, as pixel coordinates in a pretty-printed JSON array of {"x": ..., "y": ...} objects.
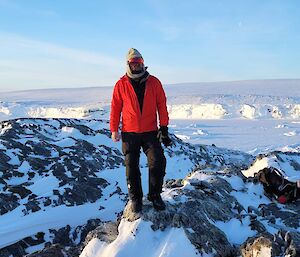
[{"x": 139, "y": 96}]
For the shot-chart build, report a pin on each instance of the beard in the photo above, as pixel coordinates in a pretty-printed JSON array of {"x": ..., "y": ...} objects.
[{"x": 137, "y": 71}]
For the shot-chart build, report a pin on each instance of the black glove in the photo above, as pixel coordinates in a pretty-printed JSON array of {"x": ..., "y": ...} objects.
[{"x": 163, "y": 136}]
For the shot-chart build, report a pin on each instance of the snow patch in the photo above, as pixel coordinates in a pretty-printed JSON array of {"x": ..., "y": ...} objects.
[
  {"x": 248, "y": 111},
  {"x": 291, "y": 133},
  {"x": 256, "y": 167},
  {"x": 182, "y": 137},
  {"x": 6, "y": 128},
  {"x": 200, "y": 132},
  {"x": 5, "y": 110},
  {"x": 243, "y": 228},
  {"x": 295, "y": 111},
  {"x": 131, "y": 242},
  {"x": 200, "y": 111}
]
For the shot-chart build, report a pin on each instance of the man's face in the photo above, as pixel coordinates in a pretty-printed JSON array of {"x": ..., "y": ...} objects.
[{"x": 136, "y": 65}]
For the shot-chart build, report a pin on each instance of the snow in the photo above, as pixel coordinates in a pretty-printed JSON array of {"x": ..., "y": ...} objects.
[
  {"x": 254, "y": 196},
  {"x": 232, "y": 226},
  {"x": 284, "y": 167},
  {"x": 3, "y": 130},
  {"x": 130, "y": 241},
  {"x": 291, "y": 133},
  {"x": 65, "y": 142},
  {"x": 257, "y": 166},
  {"x": 200, "y": 111},
  {"x": 14, "y": 228},
  {"x": 14, "y": 159},
  {"x": 248, "y": 111},
  {"x": 253, "y": 136},
  {"x": 251, "y": 116},
  {"x": 43, "y": 186}
]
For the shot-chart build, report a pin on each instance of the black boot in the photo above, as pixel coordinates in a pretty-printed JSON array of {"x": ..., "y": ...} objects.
[
  {"x": 158, "y": 203},
  {"x": 136, "y": 205}
]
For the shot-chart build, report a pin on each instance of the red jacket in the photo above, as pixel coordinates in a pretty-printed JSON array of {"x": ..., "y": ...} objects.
[{"x": 125, "y": 101}]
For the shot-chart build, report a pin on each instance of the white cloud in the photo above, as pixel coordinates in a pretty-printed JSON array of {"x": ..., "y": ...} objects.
[
  {"x": 35, "y": 64},
  {"x": 11, "y": 42}
]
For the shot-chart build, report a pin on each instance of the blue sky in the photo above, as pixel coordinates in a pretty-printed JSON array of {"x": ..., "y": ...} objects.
[{"x": 79, "y": 43}]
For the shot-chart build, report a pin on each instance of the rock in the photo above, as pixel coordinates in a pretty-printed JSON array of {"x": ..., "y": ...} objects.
[
  {"x": 172, "y": 183},
  {"x": 197, "y": 206},
  {"x": 8, "y": 202},
  {"x": 15, "y": 250},
  {"x": 106, "y": 232},
  {"x": 195, "y": 216},
  {"x": 62, "y": 236},
  {"x": 260, "y": 246},
  {"x": 32, "y": 206},
  {"x": 292, "y": 240},
  {"x": 272, "y": 212},
  {"x": 20, "y": 190},
  {"x": 39, "y": 239},
  {"x": 54, "y": 250}
]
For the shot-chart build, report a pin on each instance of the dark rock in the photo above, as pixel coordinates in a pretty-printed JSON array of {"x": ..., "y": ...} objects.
[
  {"x": 273, "y": 212},
  {"x": 55, "y": 250},
  {"x": 20, "y": 190},
  {"x": 39, "y": 239},
  {"x": 173, "y": 183},
  {"x": 258, "y": 226},
  {"x": 47, "y": 201},
  {"x": 292, "y": 240},
  {"x": 8, "y": 202},
  {"x": 32, "y": 206},
  {"x": 62, "y": 236},
  {"x": 106, "y": 232},
  {"x": 15, "y": 250}
]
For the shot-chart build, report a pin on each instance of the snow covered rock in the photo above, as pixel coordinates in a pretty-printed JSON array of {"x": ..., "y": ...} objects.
[
  {"x": 214, "y": 212},
  {"x": 193, "y": 210},
  {"x": 60, "y": 173},
  {"x": 54, "y": 250},
  {"x": 261, "y": 246},
  {"x": 265, "y": 244},
  {"x": 63, "y": 190}
]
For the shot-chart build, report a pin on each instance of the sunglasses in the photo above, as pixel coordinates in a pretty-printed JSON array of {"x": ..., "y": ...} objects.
[{"x": 136, "y": 60}]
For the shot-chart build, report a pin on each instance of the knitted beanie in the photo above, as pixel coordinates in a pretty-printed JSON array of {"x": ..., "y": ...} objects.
[{"x": 133, "y": 53}]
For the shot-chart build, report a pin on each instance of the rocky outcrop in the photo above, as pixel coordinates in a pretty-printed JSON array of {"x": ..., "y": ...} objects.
[
  {"x": 63, "y": 148},
  {"x": 70, "y": 244},
  {"x": 281, "y": 244},
  {"x": 72, "y": 154},
  {"x": 200, "y": 207}
]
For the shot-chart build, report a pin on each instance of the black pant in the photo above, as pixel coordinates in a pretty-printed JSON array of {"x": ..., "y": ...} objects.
[{"x": 131, "y": 146}]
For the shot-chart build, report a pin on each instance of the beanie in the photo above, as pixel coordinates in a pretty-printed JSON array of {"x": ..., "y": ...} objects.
[{"x": 133, "y": 53}]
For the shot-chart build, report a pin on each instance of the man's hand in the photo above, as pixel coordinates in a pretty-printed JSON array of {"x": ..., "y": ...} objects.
[
  {"x": 115, "y": 136},
  {"x": 163, "y": 136}
]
